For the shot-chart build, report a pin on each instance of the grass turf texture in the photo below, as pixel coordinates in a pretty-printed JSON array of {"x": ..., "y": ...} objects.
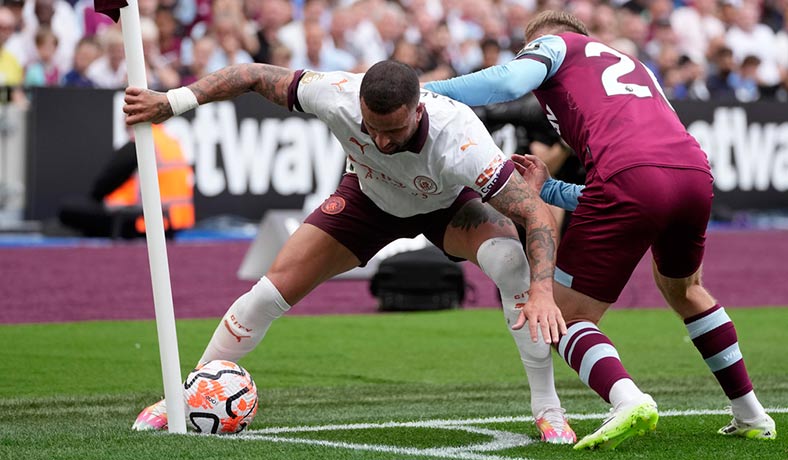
[{"x": 73, "y": 390}]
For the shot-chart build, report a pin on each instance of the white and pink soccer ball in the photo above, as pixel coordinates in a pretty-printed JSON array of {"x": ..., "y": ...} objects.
[{"x": 221, "y": 398}]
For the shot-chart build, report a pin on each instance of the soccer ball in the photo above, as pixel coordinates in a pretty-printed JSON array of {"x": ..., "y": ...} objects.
[{"x": 221, "y": 398}]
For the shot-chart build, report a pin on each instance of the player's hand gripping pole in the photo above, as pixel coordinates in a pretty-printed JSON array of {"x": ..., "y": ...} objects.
[{"x": 154, "y": 229}]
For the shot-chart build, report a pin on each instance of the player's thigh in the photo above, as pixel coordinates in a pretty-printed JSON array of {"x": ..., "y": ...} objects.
[
  {"x": 576, "y": 306},
  {"x": 609, "y": 233},
  {"x": 473, "y": 224},
  {"x": 679, "y": 247},
  {"x": 309, "y": 257}
]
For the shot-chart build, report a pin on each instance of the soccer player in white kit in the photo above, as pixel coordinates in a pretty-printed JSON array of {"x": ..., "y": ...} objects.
[{"x": 418, "y": 163}]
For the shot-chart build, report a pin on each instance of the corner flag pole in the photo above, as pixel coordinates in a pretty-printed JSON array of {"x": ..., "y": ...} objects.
[{"x": 154, "y": 222}]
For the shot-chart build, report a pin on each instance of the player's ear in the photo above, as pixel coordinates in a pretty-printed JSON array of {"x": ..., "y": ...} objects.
[{"x": 419, "y": 111}]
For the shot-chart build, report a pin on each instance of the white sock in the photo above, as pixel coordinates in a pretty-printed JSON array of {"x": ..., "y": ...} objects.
[
  {"x": 504, "y": 261},
  {"x": 246, "y": 322},
  {"x": 747, "y": 408},
  {"x": 624, "y": 391}
]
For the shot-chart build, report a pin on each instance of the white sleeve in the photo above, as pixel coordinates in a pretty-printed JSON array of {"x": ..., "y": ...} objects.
[
  {"x": 319, "y": 92},
  {"x": 477, "y": 162}
]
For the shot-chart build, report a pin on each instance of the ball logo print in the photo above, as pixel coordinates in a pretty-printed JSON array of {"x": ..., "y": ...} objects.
[{"x": 221, "y": 398}]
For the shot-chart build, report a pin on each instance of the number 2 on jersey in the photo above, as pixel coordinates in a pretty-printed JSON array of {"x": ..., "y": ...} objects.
[{"x": 625, "y": 65}]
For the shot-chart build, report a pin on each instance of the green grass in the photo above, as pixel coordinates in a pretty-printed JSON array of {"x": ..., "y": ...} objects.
[{"x": 73, "y": 390}]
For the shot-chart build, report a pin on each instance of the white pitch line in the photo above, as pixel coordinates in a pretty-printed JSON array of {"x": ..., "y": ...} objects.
[
  {"x": 500, "y": 439},
  {"x": 440, "y": 452},
  {"x": 438, "y": 423}
]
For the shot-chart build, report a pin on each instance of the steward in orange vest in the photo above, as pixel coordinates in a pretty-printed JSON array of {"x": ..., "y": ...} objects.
[{"x": 176, "y": 185}]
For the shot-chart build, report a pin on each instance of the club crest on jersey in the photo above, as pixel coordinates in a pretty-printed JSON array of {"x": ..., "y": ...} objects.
[
  {"x": 309, "y": 77},
  {"x": 425, "y": 184},
  {"x": 333, "y": 205}
]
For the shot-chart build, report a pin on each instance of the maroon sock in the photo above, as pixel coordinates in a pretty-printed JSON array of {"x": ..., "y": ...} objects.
[
  {"x": 714, "y": 336},
  {"x": 592, "y": 355}
]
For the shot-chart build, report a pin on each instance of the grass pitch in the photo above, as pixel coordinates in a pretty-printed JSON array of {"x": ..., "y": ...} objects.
[{"x": 394, "y": 386}]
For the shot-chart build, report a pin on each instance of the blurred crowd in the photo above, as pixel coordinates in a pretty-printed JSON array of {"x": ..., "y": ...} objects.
[{"x": 728, "y": 50}]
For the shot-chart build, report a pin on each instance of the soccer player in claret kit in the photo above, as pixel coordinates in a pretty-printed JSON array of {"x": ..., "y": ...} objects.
[
  {"x": 418, "y": 163},
  {"x": 648, "y": 185}
]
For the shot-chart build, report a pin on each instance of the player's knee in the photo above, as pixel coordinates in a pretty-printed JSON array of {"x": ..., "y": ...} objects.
[
  {"x": 534, "y": 353},
  {"x": 504, "y": 261}
]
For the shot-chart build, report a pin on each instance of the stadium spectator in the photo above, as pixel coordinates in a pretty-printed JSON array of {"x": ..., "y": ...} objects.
[
  {"x": 747, "y": 37},
  {"x": 419, "y": 163},
  {"x": 59, "y": 16},
  {"x": 633, "y": 145},
  {"x": 88, "y": 50},
  {"x": 109, "y": 70},
  {"x": 317, "y": 55},
  {"x": 160, "y": 72},
  {"x": 273, "y": 15},
  {"x": 11, "y": 71},
  {"x": 696, "y": 25},
  {"x": 229, "y": 40},
  {"x": 202, "y": 50},
  {"x": 745, "y": 81},
  {"x": 42, "y": 71},
  {"x": 170, "y": 36},
  {"x": 719, "y": 82}
]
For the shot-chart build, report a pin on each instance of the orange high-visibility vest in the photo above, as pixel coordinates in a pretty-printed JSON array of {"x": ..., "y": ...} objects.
[{"x": 176, "y": 185}]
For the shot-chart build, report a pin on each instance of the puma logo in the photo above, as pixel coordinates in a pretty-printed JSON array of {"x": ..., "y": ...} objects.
[
  {"x": 230, "y": 330},
  {"x": 359, "y": 144},
  {"x": 464, "y": 147},
  {"x": 339, "y": 84}
]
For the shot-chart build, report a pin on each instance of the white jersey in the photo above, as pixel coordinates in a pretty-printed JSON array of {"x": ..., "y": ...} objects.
[{"x": 450, "y": 150}]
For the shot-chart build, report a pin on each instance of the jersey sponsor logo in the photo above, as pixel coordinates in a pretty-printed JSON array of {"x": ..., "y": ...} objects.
[
  {"x": 333, "y": 205},
  {"x": 339, "y": 84},
  {"x": 359, "y": 144},
  {"x": 490, "y": 172},
  {"x": 425, "y": 184},
  {"x": 467, "y": 145},
  {"x": 310, "y": 76}
]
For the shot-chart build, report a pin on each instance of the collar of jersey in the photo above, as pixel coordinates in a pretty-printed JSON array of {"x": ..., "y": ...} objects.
[{"x": 416, "y": 143}]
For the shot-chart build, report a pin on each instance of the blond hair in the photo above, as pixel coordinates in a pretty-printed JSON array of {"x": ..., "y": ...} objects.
[{"x": 553, "y": 22}]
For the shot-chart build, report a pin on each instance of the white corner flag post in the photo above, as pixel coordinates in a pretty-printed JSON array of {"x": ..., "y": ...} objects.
[{"x": 154, "y": 229}]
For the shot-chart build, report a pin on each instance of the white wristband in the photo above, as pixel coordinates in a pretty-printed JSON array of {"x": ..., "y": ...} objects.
[{"x": 181, "y": 100}]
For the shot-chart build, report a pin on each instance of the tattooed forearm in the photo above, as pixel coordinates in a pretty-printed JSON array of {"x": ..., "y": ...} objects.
[
  {"x": 523, "y": 205},
  {"x": 269, "y": 81},
  {"x": 474, "y": 214}
]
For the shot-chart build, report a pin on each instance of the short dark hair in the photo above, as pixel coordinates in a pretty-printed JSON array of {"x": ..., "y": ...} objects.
[
  {"x": 554, "y": 22},
  {"x": 388, "y": 85}
]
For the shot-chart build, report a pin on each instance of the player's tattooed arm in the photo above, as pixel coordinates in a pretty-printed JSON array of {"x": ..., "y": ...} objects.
[
  {"x": 272, "y": 82},
  {"x": 269, "y": 81},
  {"x": 520, "y": 202}
]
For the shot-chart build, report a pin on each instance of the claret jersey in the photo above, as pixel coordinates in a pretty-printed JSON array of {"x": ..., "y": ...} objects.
[
  {"x": 451, "y": 150},
  {"x": 605, "y": 104},
  {"x": 583, "y": 99}
]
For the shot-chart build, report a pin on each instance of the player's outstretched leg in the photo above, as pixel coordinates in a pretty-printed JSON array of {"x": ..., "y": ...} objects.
[
  {"x": 152, "y": 418},
  {"x": 239, "y": 332},
  {"x": 504, "y": 261},
  {"x": 714, "y": 335},
  {"x": 589, "y": 352}
]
